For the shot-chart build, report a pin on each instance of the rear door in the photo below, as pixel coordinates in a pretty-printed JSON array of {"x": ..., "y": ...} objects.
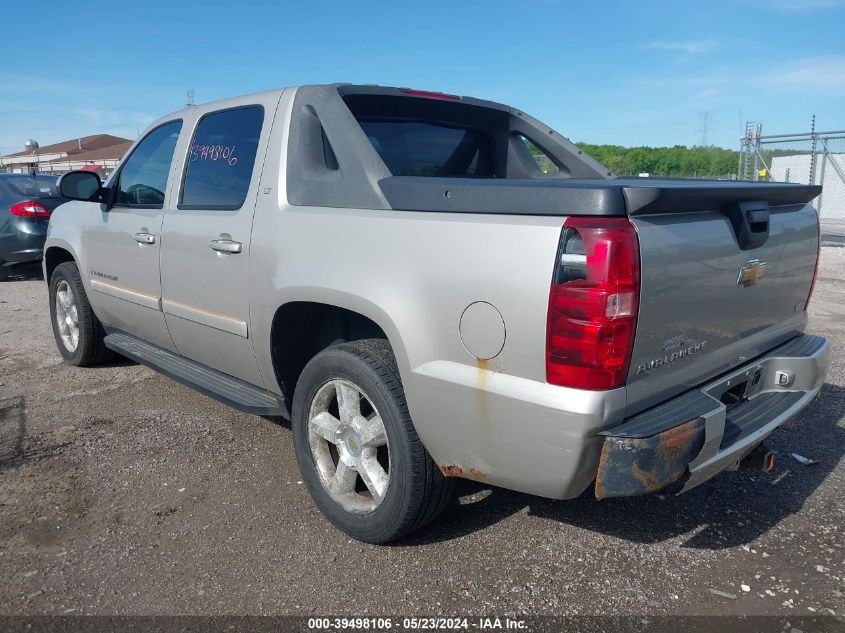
[
  {"x": 205, "y": 257},
  {"x": 123, "y": 242}
]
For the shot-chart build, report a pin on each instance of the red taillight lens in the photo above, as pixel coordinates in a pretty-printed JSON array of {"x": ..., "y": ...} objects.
[
  {"x": 593, "y": 304},
  {"x": 30, "y": 209},
  {"x": 816, "y": 269}
]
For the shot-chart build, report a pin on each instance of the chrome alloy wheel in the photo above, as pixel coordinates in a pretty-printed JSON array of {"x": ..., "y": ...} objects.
[
  {"x": 349, "y": 446},
  {"x": 67, "y": 316}
]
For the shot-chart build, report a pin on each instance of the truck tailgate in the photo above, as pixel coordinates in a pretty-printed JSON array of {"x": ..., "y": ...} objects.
[{"x": 707, "y": 304}]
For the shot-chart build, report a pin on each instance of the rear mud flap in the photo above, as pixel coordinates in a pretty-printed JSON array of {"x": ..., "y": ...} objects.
[{"x": 634, "y": 466}]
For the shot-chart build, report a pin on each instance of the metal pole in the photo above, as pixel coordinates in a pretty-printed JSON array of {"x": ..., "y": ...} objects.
[
  {"x": 756, "y": 176},
  {"x": 821, "y": 179},
  {"x": 802, "y": 135},
  {"x": 833, "y": 162},
  {"x": 813, "y": 155}
]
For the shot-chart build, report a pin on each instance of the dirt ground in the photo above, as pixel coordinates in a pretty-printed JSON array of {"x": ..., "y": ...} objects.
[{"x": 123, "y": 492}]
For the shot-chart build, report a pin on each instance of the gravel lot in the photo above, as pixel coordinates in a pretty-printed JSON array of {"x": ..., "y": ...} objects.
[{"x": 122, "y": 492}]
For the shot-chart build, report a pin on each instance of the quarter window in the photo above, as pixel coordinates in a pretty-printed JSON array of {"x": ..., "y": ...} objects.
[
  {"x": 143, "y": 177},
  {"x": 544, "y": 163},
  {"x": 221, "y": 159}
]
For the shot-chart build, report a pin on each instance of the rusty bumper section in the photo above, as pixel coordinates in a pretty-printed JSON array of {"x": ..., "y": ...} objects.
[
  {"x": 702, "y": 432},
  {"x": 631, "y": 466}
]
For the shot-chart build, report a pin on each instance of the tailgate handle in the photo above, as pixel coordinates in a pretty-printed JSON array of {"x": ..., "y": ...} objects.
[{"x": 750, "y": 221}]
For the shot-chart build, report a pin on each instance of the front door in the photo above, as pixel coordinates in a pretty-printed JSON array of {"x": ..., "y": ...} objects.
[
  {"x": 123, "y": 241},
  {"x": 205, "y": 259}
]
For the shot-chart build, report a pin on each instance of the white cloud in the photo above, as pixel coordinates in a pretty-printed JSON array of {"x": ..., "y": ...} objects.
[
  {"x": 821, "y": 75},
  {"x": 708, "y": 93},
  {"x": 806, "y": 6},
  {"x": 115, "y": 118},
  {"x": 75, "y": 108},
  {"x": 689, "y": 46}
]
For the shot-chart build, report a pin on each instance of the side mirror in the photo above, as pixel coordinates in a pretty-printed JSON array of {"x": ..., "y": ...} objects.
[{"x": 80, "y": 185}]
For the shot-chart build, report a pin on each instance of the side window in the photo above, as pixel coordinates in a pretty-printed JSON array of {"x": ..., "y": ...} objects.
[
  {"x": 221, "y": 159},
  {"x": 143, "y": 177},
  {"x": 546, "y": 165}
]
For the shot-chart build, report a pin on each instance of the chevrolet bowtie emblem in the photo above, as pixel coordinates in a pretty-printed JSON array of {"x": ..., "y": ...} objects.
[{"x": 751, "y": 273}]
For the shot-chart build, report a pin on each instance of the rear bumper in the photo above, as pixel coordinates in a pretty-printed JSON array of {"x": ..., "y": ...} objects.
[
  {"x": 695, "y": 436},
  {"x": 22, "y": 240}
]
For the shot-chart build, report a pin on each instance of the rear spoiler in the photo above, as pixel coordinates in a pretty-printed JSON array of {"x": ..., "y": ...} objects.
[
  {"x": 671, "y": 196},
  {"x": 569, "y": 197}
]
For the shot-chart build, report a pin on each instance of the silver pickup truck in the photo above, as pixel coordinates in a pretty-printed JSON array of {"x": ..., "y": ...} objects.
[{"x": 432, "y": 286}]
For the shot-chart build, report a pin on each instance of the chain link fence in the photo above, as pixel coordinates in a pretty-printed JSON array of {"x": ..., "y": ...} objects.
[{"x": 813, "y": 158}]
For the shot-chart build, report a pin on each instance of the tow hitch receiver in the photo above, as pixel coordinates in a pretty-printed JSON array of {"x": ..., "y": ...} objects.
[
  {"x": 631, "y": 466},
  {"x": 761, "y": 458}
]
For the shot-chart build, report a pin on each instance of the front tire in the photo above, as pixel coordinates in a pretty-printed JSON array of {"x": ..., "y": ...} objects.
[
  {"x": 77, "y": 330},
  {"x": 357, "y": 449}
]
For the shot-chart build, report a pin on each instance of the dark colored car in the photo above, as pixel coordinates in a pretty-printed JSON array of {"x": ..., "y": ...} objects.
[{"x": 26, "y": 202}]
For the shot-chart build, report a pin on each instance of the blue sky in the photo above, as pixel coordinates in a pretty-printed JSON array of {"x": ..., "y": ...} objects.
[{"x": 620, "y": 72}]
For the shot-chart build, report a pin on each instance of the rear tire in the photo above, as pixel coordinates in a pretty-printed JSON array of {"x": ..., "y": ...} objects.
[
  {"x": 357, "y": 449},
  {"x": 4, "y": 271},
  {"x": 77, "y": 330}
]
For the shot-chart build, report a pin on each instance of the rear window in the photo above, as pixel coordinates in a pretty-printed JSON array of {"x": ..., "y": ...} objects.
[
  {"x": 432, "y": 137},
  {"x": 33, "y": 187},
  {"x": 222, "y": 158},
  {"x": 427, "y": 148}
]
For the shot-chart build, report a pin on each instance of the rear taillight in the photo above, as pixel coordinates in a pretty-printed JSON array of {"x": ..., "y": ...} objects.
[
  {"x": 30, "y": 209},
  {"x": 593, "y": 304},
  {"x": 816, "y": 269}
]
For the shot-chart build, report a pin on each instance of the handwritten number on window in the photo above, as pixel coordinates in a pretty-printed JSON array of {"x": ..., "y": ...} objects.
[{"x": 214, "y": 153}]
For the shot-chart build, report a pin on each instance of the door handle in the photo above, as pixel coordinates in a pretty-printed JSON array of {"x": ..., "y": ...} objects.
[
  {"x": 145, "y": 238},
  {"x": 226, "y": 246}
]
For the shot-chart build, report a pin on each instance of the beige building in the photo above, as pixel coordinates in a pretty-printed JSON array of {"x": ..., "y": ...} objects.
[{"x": 98, "y": 152}]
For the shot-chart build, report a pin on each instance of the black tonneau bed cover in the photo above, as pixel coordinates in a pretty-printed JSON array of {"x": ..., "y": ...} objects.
[{"x": 611, "y": 197}]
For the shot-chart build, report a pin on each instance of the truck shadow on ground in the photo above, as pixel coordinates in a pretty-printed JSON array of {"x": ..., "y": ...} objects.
[
  {"x": 17, "y": 446},
  {"x": 734, "y": 508},
  {"x": 24, "y": 272},
  {"x": 12, "y": 430}
]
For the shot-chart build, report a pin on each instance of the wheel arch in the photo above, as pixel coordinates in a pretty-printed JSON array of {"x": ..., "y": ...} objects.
[
  {"x": 301, "y": 328},
  {"x": 56, "y": 254}
]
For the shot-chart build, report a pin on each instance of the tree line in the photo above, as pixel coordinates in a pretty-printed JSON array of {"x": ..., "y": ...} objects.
[{"x": 678, "y": 161}]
